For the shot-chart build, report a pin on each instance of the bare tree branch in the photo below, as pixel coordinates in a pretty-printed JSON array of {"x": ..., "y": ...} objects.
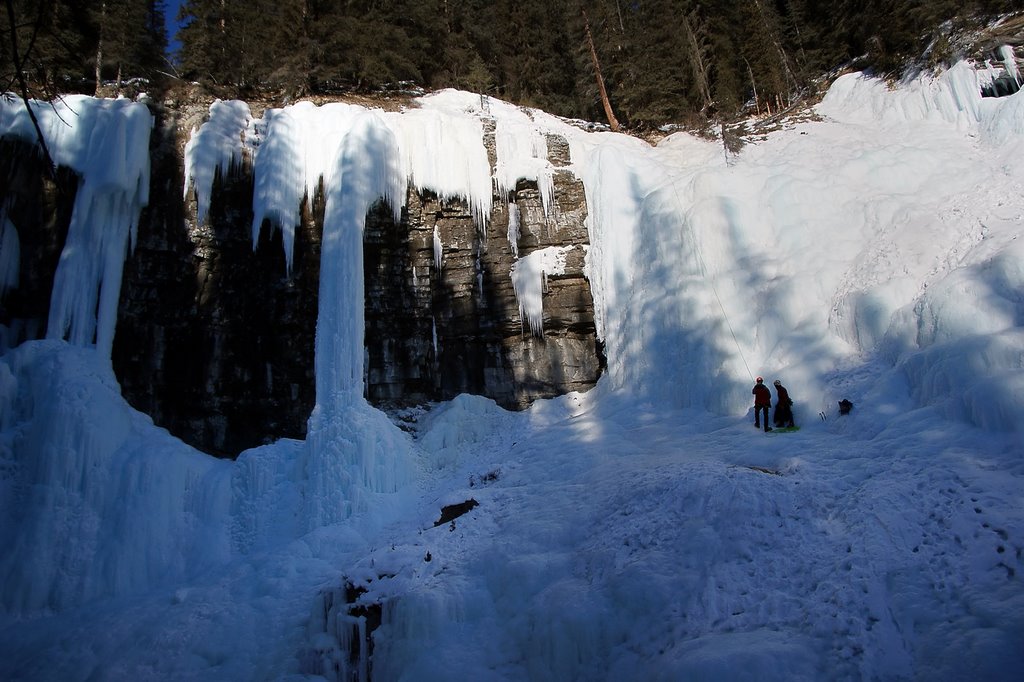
[{"x": 20, "y": 73}]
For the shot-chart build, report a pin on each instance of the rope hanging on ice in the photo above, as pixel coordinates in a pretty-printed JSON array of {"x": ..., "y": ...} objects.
[{"x": 714, "y": 289}]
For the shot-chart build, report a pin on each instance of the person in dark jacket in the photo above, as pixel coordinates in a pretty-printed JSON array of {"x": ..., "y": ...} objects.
[
  {"x": 762, "y": 401},
  {"x": 783, "y": 407}
]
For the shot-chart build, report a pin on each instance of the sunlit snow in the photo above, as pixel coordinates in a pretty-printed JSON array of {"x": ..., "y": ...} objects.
[{"x": 642, "y": 531}]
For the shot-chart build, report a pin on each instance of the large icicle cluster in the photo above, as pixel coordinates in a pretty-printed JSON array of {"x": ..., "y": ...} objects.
[
  {"x": 437, "y": 147},
  {"x": 299, "y": 146},
  {"x": 530, "y": 280},
  {"x": 215, "y": 149},
  {"x": 442, "y": 150},
  {"x": 107, "y": 143},
  {"x": 522, "y": 151}
]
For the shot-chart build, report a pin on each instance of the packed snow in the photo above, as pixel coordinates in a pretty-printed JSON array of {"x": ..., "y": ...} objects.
[{"x": 641, "y": 531}]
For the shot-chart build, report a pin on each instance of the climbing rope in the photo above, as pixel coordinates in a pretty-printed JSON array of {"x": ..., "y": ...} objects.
[
  {"x": 711, "y": 280},
  {"x": 739, "y": 349}
]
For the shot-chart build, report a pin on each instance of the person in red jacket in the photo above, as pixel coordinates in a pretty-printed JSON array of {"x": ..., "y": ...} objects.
[{"x": 762, "y": 401}]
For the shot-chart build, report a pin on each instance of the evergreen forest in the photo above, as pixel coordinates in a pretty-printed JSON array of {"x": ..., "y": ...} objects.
[{"x": 657, "y": 61}]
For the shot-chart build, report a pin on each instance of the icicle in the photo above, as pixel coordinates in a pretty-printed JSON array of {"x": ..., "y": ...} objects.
[
  {"x": 364, "y": 653},
  {"x": 513, "y": 227},
  {"x": 279, "y": 179},
  {"x": 214, "y": 149},
  {"x": 1010, "y": 63},
  {"x": 438, "y": 249},
  {"x": 529, "y": 279}
]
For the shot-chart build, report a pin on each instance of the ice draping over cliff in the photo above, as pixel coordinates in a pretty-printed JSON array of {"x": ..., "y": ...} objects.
[
  {"x": 296, "y": 147},
  {"x": 214, "y": 150},
  {"x": 439, "y": 147},
  {"x": 346, "y": 458},
  {"x": 107, "y": 143},
  {"x": 872, "y": 254},
  {"x": 529, "y": 277}
]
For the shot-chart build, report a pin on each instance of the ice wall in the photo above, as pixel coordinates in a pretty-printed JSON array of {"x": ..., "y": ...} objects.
[
  {"x": 797, "y": 254},
  {"x": 438, "y": 146},
  {"x": 107, "y": 143},
  {"x": 816, "y": 246},
  {"x": 94, "y": 500}
]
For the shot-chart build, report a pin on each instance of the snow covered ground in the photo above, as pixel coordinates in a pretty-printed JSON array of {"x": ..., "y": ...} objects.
[{"x": 642, "y": 531}]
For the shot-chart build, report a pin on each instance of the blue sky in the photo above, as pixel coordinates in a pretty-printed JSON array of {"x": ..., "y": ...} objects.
[{"x": 172, "y": 25}]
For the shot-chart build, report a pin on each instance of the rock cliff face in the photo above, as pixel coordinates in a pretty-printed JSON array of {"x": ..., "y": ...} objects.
[
  {"x": 215, "y": 340},
  {"x": 432, "y": 333},
  {"x": 39, "y": 207}
]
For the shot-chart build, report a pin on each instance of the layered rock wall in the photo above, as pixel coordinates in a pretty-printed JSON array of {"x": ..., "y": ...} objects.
[
  {"x": 37, "y": 205},
  {"x": 215, "y": 339}
]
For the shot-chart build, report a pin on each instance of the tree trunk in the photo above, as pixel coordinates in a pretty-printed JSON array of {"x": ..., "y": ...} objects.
[
  {"x": 99, "y": 49},
  {"x": 697, "y": 58},
  {"x": 753, "y": 84},
  {"x": 783, "y": 57},
  {"x": 612, "y": 121}
]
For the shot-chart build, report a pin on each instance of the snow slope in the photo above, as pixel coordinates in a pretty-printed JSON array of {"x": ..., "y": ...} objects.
[{"x": 644, "y": 530}]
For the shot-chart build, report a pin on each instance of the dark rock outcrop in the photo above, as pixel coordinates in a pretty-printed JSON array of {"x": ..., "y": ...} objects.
[
  {"x": 214, "y": 340},
  {"x": 38, "y": 204},
  {"x": 435, "y": 333}
]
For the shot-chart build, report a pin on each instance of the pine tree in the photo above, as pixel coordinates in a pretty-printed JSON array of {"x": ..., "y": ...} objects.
[
  {"x": 771, "y": 76},
  {"x": 49, "y": 40},
  {"x": 698, "y": 54},
  {"x": 202, "y": 30},
  {"x": 130, "y": 41}
]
